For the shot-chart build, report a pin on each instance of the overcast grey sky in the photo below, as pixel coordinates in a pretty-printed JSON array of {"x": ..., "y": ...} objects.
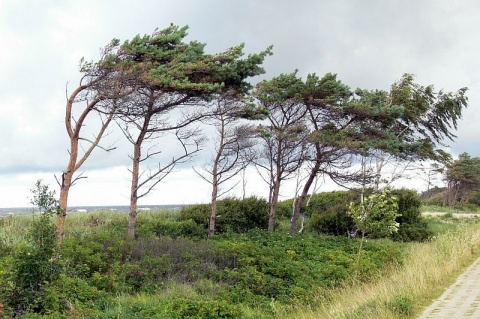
[{"x": 368, "y": 43}]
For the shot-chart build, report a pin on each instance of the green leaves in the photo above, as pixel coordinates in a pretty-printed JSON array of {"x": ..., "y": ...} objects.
[
  {"x": 376, "y": 216},
  {"x": 431, "y": 114},
  {"x": 165, "y": 62}
]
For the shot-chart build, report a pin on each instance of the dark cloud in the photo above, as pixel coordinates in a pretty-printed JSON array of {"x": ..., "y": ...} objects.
[{"x": 368, "y": 43}]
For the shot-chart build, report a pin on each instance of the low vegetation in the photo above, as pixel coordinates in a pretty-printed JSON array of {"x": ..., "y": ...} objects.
[{"x": 173, "y": 270}]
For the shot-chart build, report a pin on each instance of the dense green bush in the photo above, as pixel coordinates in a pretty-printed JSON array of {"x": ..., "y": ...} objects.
[
  {"x": 329, "y": 212},
  {"x": 324, "y": 202},
  {"x": 333, "y": 218},
  {"x": 233, "y": 214},
  {"x": 66, "y": 293},
  {"x": 285, "y": 267},
  {"x": 332, "y": 222},
  {"x": 413, "y": 226}
]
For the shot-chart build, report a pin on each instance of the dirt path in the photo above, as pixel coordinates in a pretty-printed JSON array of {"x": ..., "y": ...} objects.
[
  {"x": 460, "y": 300},
  {"x": 455, "y": 215}
]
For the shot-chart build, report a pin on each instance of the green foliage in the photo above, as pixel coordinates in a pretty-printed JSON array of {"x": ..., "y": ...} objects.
[
  {"x": 35, "y": 264},
  {"x": 402, "y": 305},
  {"x": 208, "y": 309},
  {"x": 413, "y": 226},
  {"x": 376, "y": 216},
  {"x": 329, "y": 212},
  {"x": 475, "y": 198},
  {"x": 337, "y": 222},
  {"x": 221, "y": 277},
  {"x": 232, "y": 214},
  {"x": 285, "y": 267},
  {"x": 66, "y": 293},
  {"x": 164, "y": 62},
  {"x": 463, "y": 177},
  {"x": 409, "y": 204},
  {"x": 173, "y": 228}
]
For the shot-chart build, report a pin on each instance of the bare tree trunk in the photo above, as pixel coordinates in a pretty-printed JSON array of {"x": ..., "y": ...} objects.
[
  {"x": 213, "y": 216},
  {"x": 303, "y": 196},
  {"x": 132, "y": 221},
  {"x": 63, "y": 202},
  {"x": 273, "y": 205}
]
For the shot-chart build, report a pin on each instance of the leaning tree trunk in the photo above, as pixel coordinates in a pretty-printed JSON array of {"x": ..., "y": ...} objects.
[
  {"x": 303, "y": 197},
  {"x": 62, "y": 203},
  {"x": 66, "y": 183}
]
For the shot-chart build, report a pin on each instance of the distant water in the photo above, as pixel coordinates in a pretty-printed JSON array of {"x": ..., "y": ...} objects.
[{"x": 85, "y": 209}]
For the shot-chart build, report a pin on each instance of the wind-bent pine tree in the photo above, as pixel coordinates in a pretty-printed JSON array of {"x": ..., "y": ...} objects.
[
  {"x": 462, "y": 177},
  {"x": 284, "y": 139},
  {"x": 100, "y": 86},
  {"x": 173, "y": 75},
  {"x": 409, "y": 122}
]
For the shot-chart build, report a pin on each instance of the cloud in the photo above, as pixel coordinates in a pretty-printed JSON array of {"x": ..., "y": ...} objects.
[{"x": 368, "y": 43}]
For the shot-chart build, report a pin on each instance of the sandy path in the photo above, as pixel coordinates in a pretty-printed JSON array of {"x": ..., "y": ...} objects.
[{"x": 460, "y": 300}]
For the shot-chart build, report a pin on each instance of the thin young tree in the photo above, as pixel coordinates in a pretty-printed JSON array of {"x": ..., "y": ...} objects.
[
  {"x": 233, "y": 148},
  {"x": 175, "y": 82}
]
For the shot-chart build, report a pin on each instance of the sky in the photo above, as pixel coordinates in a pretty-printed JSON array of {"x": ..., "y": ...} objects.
[{"x": 368, "y": 43}]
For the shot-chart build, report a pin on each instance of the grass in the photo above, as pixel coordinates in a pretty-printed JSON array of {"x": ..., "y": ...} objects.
[
  {"x": 407, "y": 289},
  {"x": 401, "y": 291},
  {"x": 12, "y": 228},
  {"x": 447, "y": 209}
]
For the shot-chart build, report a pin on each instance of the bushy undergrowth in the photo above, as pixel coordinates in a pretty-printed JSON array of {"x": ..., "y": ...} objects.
[
  {"x": 329, "y": 214},
  {"x": 236, "y": 215},
  {"x": 253, "y": 270}
]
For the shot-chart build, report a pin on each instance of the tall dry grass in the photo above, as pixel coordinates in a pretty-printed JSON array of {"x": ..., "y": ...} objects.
[
  {"x": 13, "y": 229},
  {"x": 407, "y": 288}
]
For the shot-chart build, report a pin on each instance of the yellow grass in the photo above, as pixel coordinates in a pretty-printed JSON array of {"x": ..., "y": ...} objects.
[{"x": 407, "y": 288}]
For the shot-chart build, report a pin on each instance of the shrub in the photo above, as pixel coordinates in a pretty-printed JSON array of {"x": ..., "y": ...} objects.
[
  {"x": 329, "y": 212},
  {"x": 413, "y": 226},
  {"x": 332, "y": 222},
  {"x": 321, "y": 203},
  {"x": 233, "y": 214},
  {"x": 205, "y": 309},
  {"x": 66, "y": 294},
  {"x": 35, "y": 264}
]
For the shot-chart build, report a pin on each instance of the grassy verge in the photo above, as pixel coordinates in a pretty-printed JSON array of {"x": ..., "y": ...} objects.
[
  {"x": 163, "y": 274},
  {"x": 407, "y": 289},
  {"x": 446, "y": 209}
]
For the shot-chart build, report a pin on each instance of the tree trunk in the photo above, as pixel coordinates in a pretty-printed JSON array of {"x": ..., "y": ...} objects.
[
  {"x": 303, "y": 196},
  {"x": 132, "y": 221},
  {"x": 213, "y": 216},
  {"x": 67, "y": 178},
  {"x": 62, "y": 204},
  {"x": 273, "y": 205}
]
